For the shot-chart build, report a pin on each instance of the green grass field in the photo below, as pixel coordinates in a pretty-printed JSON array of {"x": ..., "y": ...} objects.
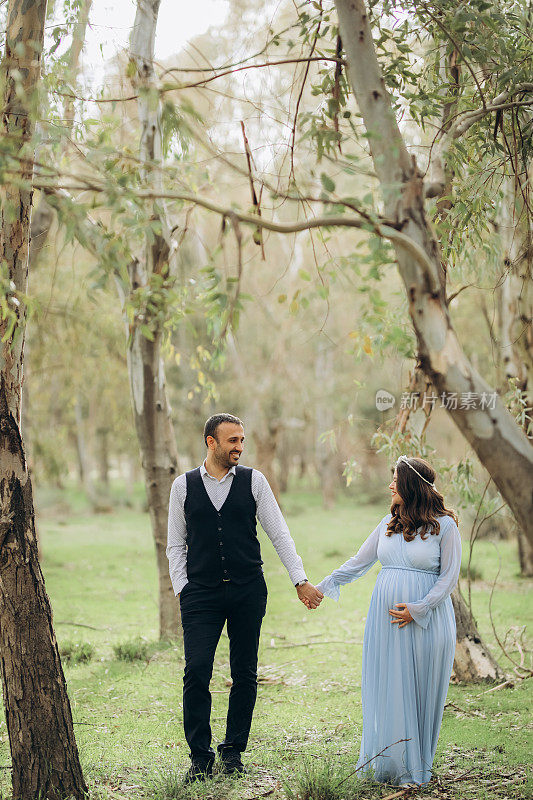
[{"x": 100, "y": 575}]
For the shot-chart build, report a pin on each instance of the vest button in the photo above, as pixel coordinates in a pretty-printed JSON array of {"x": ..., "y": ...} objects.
[
  {"x": 220, "y": 529},
  {"x": 223, "y": 559},
  {"x": 220, "y": 543}
]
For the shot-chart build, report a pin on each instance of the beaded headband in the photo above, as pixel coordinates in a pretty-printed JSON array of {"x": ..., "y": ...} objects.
[{"x": 405, "y": 461}]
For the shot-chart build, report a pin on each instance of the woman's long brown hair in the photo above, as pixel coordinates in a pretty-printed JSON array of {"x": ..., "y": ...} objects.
[{"x": 421, "y": 503}]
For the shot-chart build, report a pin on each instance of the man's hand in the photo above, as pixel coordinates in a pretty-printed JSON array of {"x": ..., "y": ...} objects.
[
  {"x": 310, "y": 596},
  {"x": 403, "y": 617}
]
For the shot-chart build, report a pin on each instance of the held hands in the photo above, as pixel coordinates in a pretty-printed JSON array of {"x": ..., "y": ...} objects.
[
  {"x": 403, "y": 617},
  {"x": 309, "y": 595}
]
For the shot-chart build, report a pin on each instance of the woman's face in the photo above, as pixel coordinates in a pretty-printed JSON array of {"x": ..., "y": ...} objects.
[{"x": 395, "y": 497}]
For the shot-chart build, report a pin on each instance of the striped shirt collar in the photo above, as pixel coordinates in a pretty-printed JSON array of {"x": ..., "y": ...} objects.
[{"x": 204, "y": 472}]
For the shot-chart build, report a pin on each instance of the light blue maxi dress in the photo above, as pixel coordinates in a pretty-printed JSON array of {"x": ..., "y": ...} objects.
[{"x": 406, "y": 671}]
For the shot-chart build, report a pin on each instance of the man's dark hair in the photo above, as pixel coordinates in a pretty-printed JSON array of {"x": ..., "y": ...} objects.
[{"x": 211, "y": 426}]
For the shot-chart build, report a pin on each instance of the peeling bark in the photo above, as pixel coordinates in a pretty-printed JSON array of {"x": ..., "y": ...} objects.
[
  {"x": 501, "y": 446},
  {"x": 155, "y": 434},
  {"x": 45, "y": 762},
  {"x": 515, "y": 296},
  {"x": 515, "y": 301},
  {"x": 151, "y": 408}
]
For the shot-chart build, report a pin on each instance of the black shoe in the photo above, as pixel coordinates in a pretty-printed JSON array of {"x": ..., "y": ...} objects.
[
  {"x": 231, "y": 763},
  {"x": 198, "y": 771}
]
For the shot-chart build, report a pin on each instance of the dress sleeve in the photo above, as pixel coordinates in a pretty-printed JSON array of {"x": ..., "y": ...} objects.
[
  {"x": 354, "y": 568},
  {"x": 450, "y": 564}
]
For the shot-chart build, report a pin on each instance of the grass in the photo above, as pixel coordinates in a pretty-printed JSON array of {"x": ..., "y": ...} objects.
[
  {"x": 168, "y": 784},
  {"x": 76, "y": 652},
  {"x": 100, "y": 575},
  {"x": 326, "y": 779},
  {"x": 136, "y": 649}
]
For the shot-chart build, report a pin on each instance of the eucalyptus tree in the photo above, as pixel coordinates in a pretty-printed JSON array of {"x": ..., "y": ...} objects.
[
  {"x": 492, "y": 432},
  {"x": 133, "y": 243},
  {"x": 125, "y": 228},
  {"x": 44, "y": 754},
  {"x": 512, "y": 335},
  {"x": 482, "y": 84},
  {"x": 150, "y": 275},
  {"x": 492, "y": 90},
  {"x": 476, "y": 97}
]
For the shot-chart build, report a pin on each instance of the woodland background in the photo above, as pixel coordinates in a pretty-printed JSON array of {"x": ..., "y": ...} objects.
[{"x": 229, "y": 229}]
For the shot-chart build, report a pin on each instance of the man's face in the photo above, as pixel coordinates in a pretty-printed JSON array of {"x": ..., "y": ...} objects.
[{"x": 228, "y": 445}]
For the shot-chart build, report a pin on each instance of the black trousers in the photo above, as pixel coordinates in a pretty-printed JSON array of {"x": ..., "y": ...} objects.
[{"x": 203, "y": 614}]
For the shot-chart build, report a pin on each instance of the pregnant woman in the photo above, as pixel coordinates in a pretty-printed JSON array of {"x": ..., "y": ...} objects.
[{"x": 409, "y": 640}]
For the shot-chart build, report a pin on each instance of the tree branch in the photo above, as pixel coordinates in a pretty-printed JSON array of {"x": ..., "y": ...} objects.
[
  {"x": 463, "y": 122},
  {"x": 180, "y": 86},
  {"x": 501, "y": 446},
  {"x": 381, "y": 228}
]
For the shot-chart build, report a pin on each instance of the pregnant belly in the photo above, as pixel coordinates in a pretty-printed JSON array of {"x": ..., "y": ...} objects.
[{"x": 398, "y": 585}]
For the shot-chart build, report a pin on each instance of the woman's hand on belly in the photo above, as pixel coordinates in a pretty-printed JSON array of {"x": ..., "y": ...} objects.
[{"x": 403, "y": 617}]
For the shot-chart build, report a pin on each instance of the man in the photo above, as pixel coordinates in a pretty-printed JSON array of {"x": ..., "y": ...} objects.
[{"x": 215, "y": 568}]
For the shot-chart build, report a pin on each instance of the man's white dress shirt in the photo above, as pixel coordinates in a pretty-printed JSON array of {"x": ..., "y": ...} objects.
[{"x": 268, "y": 513}]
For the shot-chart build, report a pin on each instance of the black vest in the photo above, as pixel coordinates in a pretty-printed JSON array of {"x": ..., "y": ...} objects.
[{"x": 221, "y": 544}]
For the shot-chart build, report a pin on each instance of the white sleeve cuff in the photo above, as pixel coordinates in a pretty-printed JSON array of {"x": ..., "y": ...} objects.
[
  {"x": 297, "y": 575},
  {"x": 420, "y": 612},
  {"x": 329, "y": 588}
]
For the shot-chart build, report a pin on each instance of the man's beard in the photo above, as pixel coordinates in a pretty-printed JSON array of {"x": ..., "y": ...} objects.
[{"x": 223, "y": 459}]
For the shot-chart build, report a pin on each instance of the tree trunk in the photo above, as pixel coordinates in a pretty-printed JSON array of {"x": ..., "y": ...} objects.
[
  {"x": 151, "y": 408},
  {"x": 263, "y": 418},
  {"x": 266, "y": 444},
  {"x": 44, "y": 754},
  {"x": 513, "y": 292},
  {"x": 284, "y": 460},
  {"x": 325, "y": 457},
  {"x": 525, "y": 555},
  {"x": 103, "y": 456},
  {"x": 45, "y": 761},
  {"x": 84, "y": 464},
  {"x": 157, "y": 444},
  {"x": 473, "y": 660},
  {"x": 503, "y": 449},
  {"x": 516, "y": 339}
]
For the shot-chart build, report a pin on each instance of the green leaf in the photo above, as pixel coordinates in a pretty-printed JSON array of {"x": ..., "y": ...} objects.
[
  {"x": 327, "y": 183},
  {"x": 146, "y": 332}
]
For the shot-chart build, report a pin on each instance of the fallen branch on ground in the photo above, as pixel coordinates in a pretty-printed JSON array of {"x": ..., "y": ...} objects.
[
  {"x": 465, "y": 711},
  {"x": 313, "y": 644},
  {"x": 369, "y": 760},
  {"x": 82, "y": 625}
]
